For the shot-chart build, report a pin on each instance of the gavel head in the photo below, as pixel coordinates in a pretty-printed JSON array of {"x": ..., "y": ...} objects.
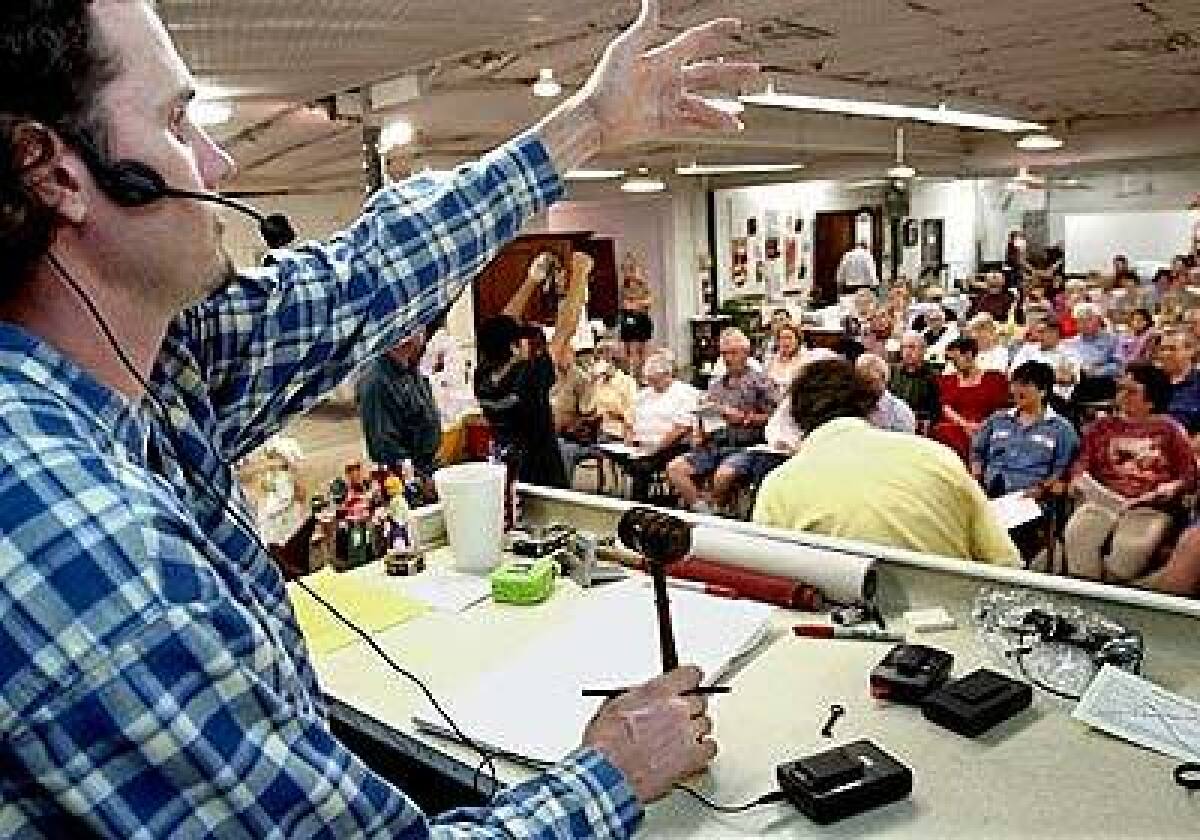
[{"x": 657, "y": 536}]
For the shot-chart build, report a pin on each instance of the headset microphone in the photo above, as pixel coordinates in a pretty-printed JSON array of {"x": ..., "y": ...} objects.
[{"x": 131, "y": 183}]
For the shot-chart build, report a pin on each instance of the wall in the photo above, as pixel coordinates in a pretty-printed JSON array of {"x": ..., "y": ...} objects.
[
  {"x": 955, "y": 204},
  {"x": 313, "y": 217},
  {"x": 798, "y": 201},
  {"x": 320, "y": 217},
  {"x": 643, "y": 225},
  {"x": 1157, "y": 192}
]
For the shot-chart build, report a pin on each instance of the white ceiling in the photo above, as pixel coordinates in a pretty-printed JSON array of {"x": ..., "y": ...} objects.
[{"x": 1121, "y": 76}]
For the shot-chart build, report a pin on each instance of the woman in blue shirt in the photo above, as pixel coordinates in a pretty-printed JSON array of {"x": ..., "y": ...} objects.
[{"x": 1025, "y": 449}]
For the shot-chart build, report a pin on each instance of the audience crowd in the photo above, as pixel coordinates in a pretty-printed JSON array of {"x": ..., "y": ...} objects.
[
  {"x": 1083, "y": 395},
  {"x": 933, "y": 413}
]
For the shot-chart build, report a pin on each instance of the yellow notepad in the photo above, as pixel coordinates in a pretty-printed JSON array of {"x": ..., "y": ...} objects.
[{"x": 362, "y": 600}]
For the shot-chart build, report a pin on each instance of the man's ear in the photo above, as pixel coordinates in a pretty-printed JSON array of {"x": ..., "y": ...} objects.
[{"x": 54, "y": 174}]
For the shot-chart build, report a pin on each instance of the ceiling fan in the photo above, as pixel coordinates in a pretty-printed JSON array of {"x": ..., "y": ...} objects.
[
  {"x": 1026, "y": 180},
  {"x": 876, "y": 183}
]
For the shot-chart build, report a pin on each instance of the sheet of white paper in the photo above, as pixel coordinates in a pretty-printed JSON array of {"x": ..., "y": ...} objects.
[
  {"x": 1096, "y": 493},
  {"x": 446, "y": 590},
  {"x": 532, "y": 704},
  {"x": 1015, "y": 509},
  {"x": 1137, "y": 710}
]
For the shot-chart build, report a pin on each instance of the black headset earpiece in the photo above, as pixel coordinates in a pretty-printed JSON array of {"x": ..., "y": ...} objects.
[{"x": 130, "y": 183}]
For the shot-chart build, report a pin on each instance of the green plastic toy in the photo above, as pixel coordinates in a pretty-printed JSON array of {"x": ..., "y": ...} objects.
[{"x": 524, "y": 581}]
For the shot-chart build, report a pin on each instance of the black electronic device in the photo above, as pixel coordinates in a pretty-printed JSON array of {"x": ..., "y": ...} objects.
[
  {"x": 1106, "y": 642},
  {"x": 973, "y": 704},
  {"x": 132, "y": 183},
  {"x": 539, "y": 543},
  {"x": 844, "y": 781},
  {"x": 910, "y": 672}
]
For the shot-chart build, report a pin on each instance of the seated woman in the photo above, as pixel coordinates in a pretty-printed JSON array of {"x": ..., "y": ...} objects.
[
  {"x": 1026, "y": 449},
  {"x": 662, "y": 420},
  {"x": 516, "y": 373},
  {"x": 1132, "y": 475},
  {"x": 968, "y": 396},
  {"x": 612, "y": 393},
  {"x": 1141, "y": 342},
  {"x": 788, "y": 358},
  {"x": 991, "y": 353}
]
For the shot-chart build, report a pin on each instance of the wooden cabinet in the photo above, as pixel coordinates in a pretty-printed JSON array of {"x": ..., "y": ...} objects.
[{"x": 498, "y": 282}]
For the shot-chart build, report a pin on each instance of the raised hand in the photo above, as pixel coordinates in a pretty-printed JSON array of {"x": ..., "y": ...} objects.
[{"x": 640, "y": 92}]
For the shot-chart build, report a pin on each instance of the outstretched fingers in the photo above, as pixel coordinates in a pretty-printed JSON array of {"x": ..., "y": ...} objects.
[
  {"x": 699, "y": 41},
  {"x": 727, "y": 75}
]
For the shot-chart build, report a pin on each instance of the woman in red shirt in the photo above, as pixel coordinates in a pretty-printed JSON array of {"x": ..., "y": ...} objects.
[
  {"x": 968, "y": 396},
  {"x": 1132, "y": 474}
]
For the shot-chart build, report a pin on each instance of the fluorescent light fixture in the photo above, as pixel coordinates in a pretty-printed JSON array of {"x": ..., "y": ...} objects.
[
  {"x": 1040, "y": 143},
  {"x": 886, "y": 110},
  {"x": 727, "y": 106},
  {"x": 643, "y": 183},
  {"x": 594, "y": 174},
  {"x": 209, "y": 111},
  {"x": 545, "y": 86},
  {"x": 902, "y": 172},
  {"x": 737, "y": 168},
  {"x": 396, "y": 133}
]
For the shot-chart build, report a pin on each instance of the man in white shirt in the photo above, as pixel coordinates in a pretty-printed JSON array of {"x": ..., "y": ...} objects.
[
  {"x": 857, "y": 269},
  {"x": 663, "y": 415}
]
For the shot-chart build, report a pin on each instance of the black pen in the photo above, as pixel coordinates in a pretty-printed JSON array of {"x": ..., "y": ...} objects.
[{"x": 691, "y": 692}]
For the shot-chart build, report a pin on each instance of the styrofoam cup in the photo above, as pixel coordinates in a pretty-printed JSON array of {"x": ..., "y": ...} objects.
[{"x": 472, "y": 497}]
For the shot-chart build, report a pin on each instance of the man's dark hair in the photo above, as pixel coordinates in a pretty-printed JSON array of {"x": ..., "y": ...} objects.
[
  {"x": 495, "y": 339},
  {"x": 1154, "y": 382},
  {"x": 53, "y": 65},
  {"x": 966, "y": 344},
  {"x": 827, "y": 390},
  {"x": 1038, "y": 374}
]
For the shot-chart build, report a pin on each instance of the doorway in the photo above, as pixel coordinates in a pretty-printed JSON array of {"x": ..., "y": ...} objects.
[{"x": 834, "y": 235}]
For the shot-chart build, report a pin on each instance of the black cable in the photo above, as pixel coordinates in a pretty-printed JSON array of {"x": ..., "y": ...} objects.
[
  {"x": 249, "y": 531},
  {"x": 1019, "y": 655},
  {"x": 1188, "y": 776},
  {"x": 765, "y": 799}
]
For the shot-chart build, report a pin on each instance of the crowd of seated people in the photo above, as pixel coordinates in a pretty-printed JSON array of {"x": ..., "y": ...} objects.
[{"x": 1083, "y": 394}]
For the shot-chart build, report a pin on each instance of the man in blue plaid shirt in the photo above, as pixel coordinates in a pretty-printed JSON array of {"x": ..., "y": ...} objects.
[{"x": 153, "y": 681}]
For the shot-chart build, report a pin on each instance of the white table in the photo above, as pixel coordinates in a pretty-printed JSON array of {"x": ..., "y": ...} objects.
[{"x": 1038, "y": 775}]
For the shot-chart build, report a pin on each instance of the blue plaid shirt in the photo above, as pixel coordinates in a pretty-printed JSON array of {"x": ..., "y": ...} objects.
[{"x": 153, "y": 680}]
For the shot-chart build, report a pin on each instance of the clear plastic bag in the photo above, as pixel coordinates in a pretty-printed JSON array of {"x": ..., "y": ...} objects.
[{"x": 1057, "y": 646}]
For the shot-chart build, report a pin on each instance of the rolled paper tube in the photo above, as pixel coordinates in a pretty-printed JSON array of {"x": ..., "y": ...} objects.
[
  {"x": 756, "y": 586},
  {"x": 841, "y": 577}
]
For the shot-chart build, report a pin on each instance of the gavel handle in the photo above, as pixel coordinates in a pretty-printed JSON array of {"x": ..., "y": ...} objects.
[{"x": 666, "y": 634}]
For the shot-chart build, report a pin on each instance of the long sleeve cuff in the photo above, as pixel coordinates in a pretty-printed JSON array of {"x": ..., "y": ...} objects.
[{"x": 582, "y": 796}]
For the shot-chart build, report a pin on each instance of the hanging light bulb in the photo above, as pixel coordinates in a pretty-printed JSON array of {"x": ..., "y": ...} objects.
[
  {"x": 901, "y": 171},
  {"x": 1040, "y": 143},
  {"x": 545, "y": 86},
  {"x": 643, "y": 182}
]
